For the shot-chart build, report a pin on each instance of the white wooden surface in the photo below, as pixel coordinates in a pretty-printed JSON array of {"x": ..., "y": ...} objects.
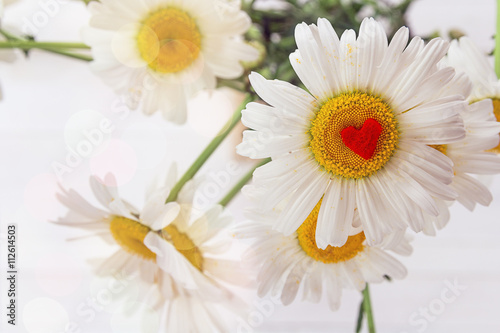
[{"x": 47, "y": 95}]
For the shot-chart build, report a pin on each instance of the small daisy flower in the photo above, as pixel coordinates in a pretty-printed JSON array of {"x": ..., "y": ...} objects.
[
  {"x": 286, "y": 263},
  {"x": 466, "y": 57},
  {"x": 171, "y": 247},
  {"x": 164, "y": 51},
  {"x": 470, "y": 155},
  {"x": 359, "y": 140}
]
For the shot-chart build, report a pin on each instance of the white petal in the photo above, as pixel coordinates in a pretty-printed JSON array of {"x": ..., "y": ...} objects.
[
  {"x": 302, "y": 202},
  {"x": 336, "y": 213},
  {"x": 157, "y": 215}
]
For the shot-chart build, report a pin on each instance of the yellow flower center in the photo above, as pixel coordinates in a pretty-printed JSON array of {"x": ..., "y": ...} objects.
[
  {"x": 496, "y": 111},
  {"x": 169, "y": 40},
  {"x": 440, "y": 148},
  {"x": 130, "y": 234},
  {"x": 356, "y": 110},
  {"x": 184, "y": 245},
  {"x": 307, "y": 240}
]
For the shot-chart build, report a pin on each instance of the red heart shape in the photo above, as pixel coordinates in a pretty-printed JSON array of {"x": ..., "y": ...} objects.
[{"x": 363, "y": 141}]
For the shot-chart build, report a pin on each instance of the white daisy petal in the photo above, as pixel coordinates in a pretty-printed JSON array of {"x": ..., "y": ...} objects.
[
  {"x": 386, "y": 263},
  {"x": 280, "y": 166},
  {"x": 277, "y": 190},
  {"x": 313, "y": 285},
  {"x": 333, "y": 289},
  {"x": 336, "y": 214},
  {"x": 471, "y": 191},
  {"x": 373, "y": 40},
  {"x": 292, "y": 283},
  {"x": 307, "y": 195},
  {"x": 292, "y": 100},
  {"x": 157, "y": 215}
]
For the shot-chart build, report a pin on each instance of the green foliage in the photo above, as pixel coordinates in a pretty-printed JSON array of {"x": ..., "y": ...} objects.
[{"x": 275, "y": 29}]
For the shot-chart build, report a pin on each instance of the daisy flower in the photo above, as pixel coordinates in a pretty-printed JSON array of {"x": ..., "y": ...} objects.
[
  {"x": 174, "y": 249},
  {"x": 470, "y": 155},
  {"x": 286, "y": 263},
  {"x": 360, "y": 138},
  {"x": 466, "y": 57},
  {"x": 164, "y": 51}
]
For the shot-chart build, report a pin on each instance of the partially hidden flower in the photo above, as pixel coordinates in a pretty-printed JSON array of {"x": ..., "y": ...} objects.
[
  {"x": 286, "y": 264},
  {"x": 359, "y": 139},
  {"x": 171, "y": 247},
  {"x": 161, "y": 53},
  {"x": 466, "y": 57},
  {"x": 471, "y": 156}
]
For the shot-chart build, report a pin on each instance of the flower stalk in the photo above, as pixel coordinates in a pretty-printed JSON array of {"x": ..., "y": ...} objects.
[
  {"x": 367, "y": 309},
  {"x": 61, "y": 48},
  {"x": 28, "y": 44},
  {"x": 212, "y": 146},
  {"x": 232, "y": 193}
]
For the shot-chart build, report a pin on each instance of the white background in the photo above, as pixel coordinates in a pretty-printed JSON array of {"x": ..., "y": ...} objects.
[{"x": 49, "y": 100}]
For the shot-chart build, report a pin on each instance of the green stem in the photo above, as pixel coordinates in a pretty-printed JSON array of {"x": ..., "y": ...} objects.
[
  {"x": 68, "y": 54},
  {"x": 8, "y": 35},
  {"x": 367, "y": 306},
  {"x": 16, "y": 42},
  {"x": 28, "y": 44},
  {"x": 197, "y": 164},
  {"x": 230, "y": 195},
  {"x": 497, "y": 42},
  {"x": 361, "y": 314}
]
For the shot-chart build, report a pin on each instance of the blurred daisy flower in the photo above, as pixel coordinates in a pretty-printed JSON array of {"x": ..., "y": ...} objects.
[
  {"x": 286, "y": 263},
  {"x": 172, "y": 247},
  {"x": 162, "y": 52},
  {"x": 360, "y": 139},
  {"x": 466, "y": 57}
]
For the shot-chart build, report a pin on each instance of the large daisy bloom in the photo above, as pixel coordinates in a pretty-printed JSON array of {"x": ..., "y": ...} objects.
[
  {"x": 161, "y": 52},
  {"x": 359, "y": 139},
  {"x": 466, "y": 57},
  {"x": 172, "y": 248},
  {"x": 286, "y": 263},
  {"x": 471, "y": 155}
]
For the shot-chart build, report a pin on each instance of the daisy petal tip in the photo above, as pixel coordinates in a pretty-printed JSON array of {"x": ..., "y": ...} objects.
[
  {"x": 243, "y": 150},
  {"x": 321, "y": 243},
  {"x": 256, "y": 78},
  {"x": 171, "y": 211},
  {"x": 323, "y": 21},
  {"x": 151, "y": 242}
]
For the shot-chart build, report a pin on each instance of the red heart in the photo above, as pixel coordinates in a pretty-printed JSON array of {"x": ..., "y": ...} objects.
[{"x": 363, "y": 141}]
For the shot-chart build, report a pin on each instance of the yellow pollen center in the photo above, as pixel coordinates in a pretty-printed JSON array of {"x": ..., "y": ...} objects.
[
  {"x": 130, "y": 234},
  {"x": 169, "y": 40},
  {"x": 440, "y": 148},
  {"x": 307, "y": 240},
  {"x": 184, "y": 245},
  {"x": 343, "y": 111},
  {"x": 496, "y": 111}
]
